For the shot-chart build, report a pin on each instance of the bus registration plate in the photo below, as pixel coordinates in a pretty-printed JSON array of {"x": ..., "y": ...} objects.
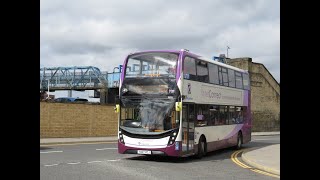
[{"x": 144, "y": 152}]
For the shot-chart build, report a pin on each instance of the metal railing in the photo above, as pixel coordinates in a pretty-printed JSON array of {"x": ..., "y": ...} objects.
[{"x": 72, "y": 78}]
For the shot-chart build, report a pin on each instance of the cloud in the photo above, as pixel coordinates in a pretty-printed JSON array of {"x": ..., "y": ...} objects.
[{"x": 102, "y": 33}]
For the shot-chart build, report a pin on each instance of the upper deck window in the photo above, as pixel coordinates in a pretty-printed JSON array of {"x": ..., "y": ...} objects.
[
  {"x": 246, "y": 81},
  {"x": 202, "y": 71},
  {"x": 152, "y": 65},
  {"x": 213, "y": 73},
  {"x": 232, "y": 82},
  {"x": 239, "y": 83},
  {"x": 189, "y": 68}
]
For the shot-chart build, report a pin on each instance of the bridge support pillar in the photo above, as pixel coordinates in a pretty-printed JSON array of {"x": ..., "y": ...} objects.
[
  {"x": 70, "y": 93},
  {"x": 103, "y": 96}
]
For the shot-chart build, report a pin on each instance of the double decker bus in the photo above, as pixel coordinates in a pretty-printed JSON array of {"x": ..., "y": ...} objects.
[{"x": 177, "y": 103}]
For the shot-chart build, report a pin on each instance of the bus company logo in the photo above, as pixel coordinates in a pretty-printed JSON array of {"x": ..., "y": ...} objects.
[
  {"x": 210, "y": 94},
  {"x": 189, "y": 88}
]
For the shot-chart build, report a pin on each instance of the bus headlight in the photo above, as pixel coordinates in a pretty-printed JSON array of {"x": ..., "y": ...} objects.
[
  {"x": 124, "y": 90},
  {"x": 121, "y": 137},
  {"x": 174, "y": 134},
  {"x": 172, "y": 137}
]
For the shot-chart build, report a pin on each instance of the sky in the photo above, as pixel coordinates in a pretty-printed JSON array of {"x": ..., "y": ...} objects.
[{"x": 101, "y": 33}]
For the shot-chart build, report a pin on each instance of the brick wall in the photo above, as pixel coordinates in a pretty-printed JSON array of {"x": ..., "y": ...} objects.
[{"x": 77, "y": 120}]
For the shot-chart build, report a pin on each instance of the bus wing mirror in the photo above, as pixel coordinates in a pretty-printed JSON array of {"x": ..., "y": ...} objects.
[
  {"x": 178, "y": 106},
  {"x": 117, "y": 108}
]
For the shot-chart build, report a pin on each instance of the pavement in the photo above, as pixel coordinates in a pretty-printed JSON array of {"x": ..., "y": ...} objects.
[{"x": 266, "y": 158}]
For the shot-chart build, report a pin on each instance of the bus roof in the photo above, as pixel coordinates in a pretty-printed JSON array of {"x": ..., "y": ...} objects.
[
  {"x": 195, "y": 56},
  {"x": 222, "y": 64}
]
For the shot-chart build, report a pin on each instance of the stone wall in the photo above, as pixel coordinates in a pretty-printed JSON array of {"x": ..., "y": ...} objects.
[{"x": 265, "y": 95}]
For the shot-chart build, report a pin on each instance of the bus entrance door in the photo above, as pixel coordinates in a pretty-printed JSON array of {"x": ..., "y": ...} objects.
[{"x": 188, "y": 116}]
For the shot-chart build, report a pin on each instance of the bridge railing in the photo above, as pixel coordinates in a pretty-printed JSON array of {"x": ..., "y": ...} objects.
[{"x": 73, "y": 78}]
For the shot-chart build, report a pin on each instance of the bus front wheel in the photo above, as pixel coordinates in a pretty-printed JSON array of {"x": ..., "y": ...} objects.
[{"x": 201, "y": 148}]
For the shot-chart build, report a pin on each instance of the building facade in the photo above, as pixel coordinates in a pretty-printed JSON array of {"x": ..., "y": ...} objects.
[{"x": 265, "y": 95}]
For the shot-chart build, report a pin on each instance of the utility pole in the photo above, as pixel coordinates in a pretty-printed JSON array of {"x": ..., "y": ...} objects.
[
  {"x": 228, "y": 51},
  {"x": 48, "y": 88}
]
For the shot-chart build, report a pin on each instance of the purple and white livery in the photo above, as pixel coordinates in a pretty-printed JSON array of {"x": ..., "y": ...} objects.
[{"x": 177, "y": 103}]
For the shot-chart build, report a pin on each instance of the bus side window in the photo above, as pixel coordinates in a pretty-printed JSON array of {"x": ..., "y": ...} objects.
[
  {"x": 232, "y": 115},
  {"x": 202, "y": 71},
  {"x": 231, "y": 76},
  {"x": 225, "y": 77},
  {"x": 216, "y": 112},
  {"x": 246, "y": 81},
  {"x": 202, "y": 115},
  {"x": 213, "y": 73},
  {"x": 239, "y": 83},
  {"x": 223, "y": 115},
  {"x": 213, "y": 114},
  {"x": 189, "y": 68},
  {"x": 239, "y": 115}
]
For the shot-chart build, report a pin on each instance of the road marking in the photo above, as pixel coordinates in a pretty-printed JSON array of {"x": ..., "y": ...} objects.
[
  {"x": 74, "y": 163},
  {"x": 70, "y": 144},
  {"x": 105, "y": 149},
  {"x": 48, "y": 165},
  {"x": 114, "y": 160},
  {"x": 50, "y": 151},
  {"x": 94, "y": 162},
  {"x": 235, "y": 160},
  {"x": 261, "y": 140}
]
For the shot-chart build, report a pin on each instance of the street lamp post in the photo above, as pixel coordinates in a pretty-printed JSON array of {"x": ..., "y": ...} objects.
[{"x": 48, "y": 88}]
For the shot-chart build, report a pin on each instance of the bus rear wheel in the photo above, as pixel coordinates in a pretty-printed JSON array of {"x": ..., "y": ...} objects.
[
  {"x": 201, "y": 148},
  {"x": 239, "y": 141}
]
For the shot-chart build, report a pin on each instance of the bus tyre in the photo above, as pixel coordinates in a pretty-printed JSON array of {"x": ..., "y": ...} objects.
[
  {"x": 201, "y": 148},
  {"x": 239, "y": 141}
]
